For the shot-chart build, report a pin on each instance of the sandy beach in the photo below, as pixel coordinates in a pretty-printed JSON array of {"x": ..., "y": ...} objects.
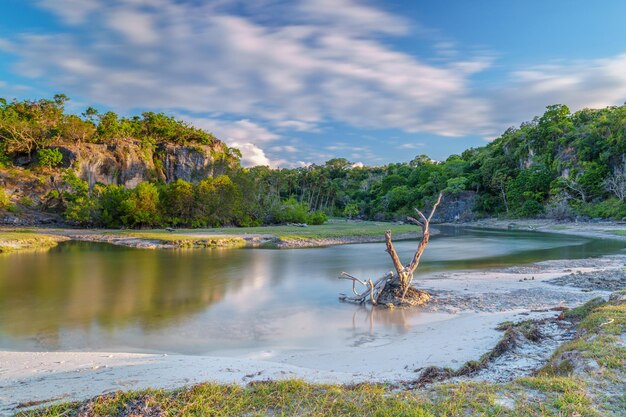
[{"x": 457, "y": 326}]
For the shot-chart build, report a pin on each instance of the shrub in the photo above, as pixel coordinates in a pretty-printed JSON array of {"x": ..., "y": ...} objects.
[
  {"x": 5, "y": 160},
  {"x": 5, "y": 200},
  {"x": 317, "y": 217},
  {"x": 26, "y": 201},
  {"x": 612, "y": 208},
  {"x": 291, "y": 211},
  {"x": 79, "y": 204},
  {"x": 141, "y": 206},
  {"x": 351, "y": 210},
  {"x": 49, "y": 157},
  {"x": 531, "y": 208},
  {"x": 111, "y": 200}
]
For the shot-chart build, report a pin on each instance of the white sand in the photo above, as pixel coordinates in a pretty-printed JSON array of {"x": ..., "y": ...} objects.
[{"x": 474, "y": 303}]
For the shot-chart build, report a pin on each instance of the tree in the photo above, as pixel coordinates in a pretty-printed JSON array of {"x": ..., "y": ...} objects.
[
  {"x": 141, "y": 208},
  {"x": 616, "y": 182},
  {"x": 49, "y": 157},
  {"x": 393, "y": 288}
]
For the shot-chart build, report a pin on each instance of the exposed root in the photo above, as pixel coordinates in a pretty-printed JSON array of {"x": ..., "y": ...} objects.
[{"x": 395, "y": 288}]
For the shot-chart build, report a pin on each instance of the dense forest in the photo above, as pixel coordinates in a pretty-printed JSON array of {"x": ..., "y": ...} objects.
[{"x": 560, "y": 165}]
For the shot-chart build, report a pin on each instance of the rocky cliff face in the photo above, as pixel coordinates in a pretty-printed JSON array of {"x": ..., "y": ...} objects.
[{"x": 128, "y": 163}]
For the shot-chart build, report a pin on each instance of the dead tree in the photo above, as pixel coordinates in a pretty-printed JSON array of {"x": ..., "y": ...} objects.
[{"x": 395, "y": 288}]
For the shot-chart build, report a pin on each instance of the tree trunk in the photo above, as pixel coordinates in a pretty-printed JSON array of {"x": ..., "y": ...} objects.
[{"x": 395, "y": 288}]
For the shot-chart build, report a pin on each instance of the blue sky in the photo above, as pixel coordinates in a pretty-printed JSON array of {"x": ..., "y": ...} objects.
[{"x": 302, "y": 81}]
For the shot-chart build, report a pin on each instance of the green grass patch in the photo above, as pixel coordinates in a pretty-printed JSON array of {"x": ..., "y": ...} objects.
[
  {"x": 186, "y": 241},
  {"x": 19, "y": 240},
  {"x": 336, "y": 229}
]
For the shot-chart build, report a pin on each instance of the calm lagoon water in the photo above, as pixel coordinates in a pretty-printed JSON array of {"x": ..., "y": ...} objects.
[{"x": 99, "y": 297}]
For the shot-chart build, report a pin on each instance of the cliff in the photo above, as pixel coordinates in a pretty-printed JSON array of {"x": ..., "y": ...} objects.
[{"x": 129, "y": 162}]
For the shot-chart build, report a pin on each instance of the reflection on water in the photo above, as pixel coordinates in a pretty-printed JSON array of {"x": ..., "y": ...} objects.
[{"x": 103, "y": 297}]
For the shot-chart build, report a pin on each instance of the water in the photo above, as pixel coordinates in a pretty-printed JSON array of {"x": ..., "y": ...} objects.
[{"x": 99, "y": 297}]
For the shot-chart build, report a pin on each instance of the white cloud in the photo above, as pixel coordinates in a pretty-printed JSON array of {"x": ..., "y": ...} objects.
[
  {"x": 136, "y": 26},
  {"x": 242, "y": 134},
  {"x": 578, "y": 84},
  {"x": 71, "y": 11},
  {"x": 314, "y": 61},
  {"x": 284, "y": 148},
  {"x": 412, "y": 145},
  {"x": 252, "y": 155},
  {"x": 292, "y": 67}
]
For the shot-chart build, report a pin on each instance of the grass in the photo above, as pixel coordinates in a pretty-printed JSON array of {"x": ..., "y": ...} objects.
[
  {"x": 20, "y": 240},
  {"x": 619, "y": 232},
  {"x": 186, "y": 241},
  {"x": 330, "y": 230},
  {"x": 565, "y": 392}
]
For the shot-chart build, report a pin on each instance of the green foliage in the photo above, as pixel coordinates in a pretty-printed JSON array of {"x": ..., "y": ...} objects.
[
  {"x": 79, "y": 205},
  {"x": 111, "y": 205},
  {"x": 317, "y": 218},
  {"x": 609, "y": 209},
  {"x": 559, "y": 164},
  {"x": 49, "y": 157},
  {"x": 291, "y": 211},
  {"x": 26, "y": 201},
  {"x": 351, "y": 210},
  {"x": 140, "y": 207},
  {"x": 5, "y": 160},
  {"x": 5, "y": 200}
]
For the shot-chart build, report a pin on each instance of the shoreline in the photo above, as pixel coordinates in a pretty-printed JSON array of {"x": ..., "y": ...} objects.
[
  {"x": 597, "y": 230},
  {"x": 159, "y": 239},
  {"x": 468, "y": 306},
  {"x": 288, "y": 237}
]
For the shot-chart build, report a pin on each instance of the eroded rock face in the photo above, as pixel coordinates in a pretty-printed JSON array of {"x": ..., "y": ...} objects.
[
  {"x": 191, "y": 163},
  {"x": 128, "y": 163}
]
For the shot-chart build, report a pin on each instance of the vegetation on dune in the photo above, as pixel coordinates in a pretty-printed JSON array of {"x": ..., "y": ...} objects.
[
  {"x": 578, "y": 389},
  {"x": 559, "y": 165}
]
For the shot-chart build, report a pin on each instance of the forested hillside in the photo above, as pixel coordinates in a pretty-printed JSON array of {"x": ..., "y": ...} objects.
[{"x": 153, "y": 170}]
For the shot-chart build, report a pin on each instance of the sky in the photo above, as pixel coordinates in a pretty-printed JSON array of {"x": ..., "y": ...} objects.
[{"x": 295, "y": 82}]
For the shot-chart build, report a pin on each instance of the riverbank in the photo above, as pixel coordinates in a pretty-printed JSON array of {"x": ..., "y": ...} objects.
[
  {"x": 605, "y": 229},
  {"x": 26, "y": 240},
  {"x": 336, "y": 232},
  {"x": 584, "y": 377},
  {"x": 458, "y": 327}
]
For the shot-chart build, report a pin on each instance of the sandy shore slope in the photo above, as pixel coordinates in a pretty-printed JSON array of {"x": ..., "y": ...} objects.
[{"x": 458, "y": 326}]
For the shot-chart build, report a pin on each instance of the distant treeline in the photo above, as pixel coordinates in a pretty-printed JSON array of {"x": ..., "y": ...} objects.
[{"x": 559, "y": 165}]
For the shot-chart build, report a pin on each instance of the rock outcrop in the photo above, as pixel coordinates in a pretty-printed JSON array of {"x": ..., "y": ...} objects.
[{"x": 129, "y": 162}]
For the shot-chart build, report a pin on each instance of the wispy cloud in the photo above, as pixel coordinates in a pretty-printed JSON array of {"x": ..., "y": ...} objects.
[
  {"x": 273, "y": 68},
  {"x": 416, "y": 145},
  {"x": 319, "y": 61}
]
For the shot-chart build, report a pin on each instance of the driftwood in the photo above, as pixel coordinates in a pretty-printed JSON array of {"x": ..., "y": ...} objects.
[{"x": 395, "y": 288}]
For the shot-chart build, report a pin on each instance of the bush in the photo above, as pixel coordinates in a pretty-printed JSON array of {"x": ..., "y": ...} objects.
[
  {"x": 531, "y": 208},
  {"x": 26, "y": 201},
  {"x": 49, "y": 157},
  {"x": 111, "y": 207},
  {"x": 5, "y": 200},
  {"x": 612, "y": 208},
  {"x": 317, "y": 217},
  {"x": 5, "y": 160},
  {"x": 141, "y": 206},
  {"x": 291, "y": 211},
  {"x": 351, "y": 210},
  {"x": 79, "y": 204}
]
